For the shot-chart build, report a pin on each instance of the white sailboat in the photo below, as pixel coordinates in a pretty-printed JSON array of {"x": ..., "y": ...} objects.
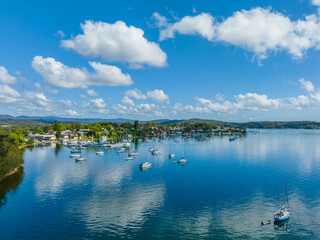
[{"x": 284, "y": 212}]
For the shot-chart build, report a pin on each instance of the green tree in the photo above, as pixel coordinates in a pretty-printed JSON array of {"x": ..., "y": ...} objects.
[
  {"x": 136, "y": 125},
  {"x": 30, "y": 141},
  {"x": 126, "y": 125},
  {"x": 10, "y": 155},
  {"x": 58, "y": 134}
]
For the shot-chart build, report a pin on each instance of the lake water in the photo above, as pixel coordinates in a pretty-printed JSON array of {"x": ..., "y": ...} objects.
[{"x": 223, "y": 192}]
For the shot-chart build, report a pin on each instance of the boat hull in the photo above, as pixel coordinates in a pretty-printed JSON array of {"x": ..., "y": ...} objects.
[{"x": 282, "y": 219}]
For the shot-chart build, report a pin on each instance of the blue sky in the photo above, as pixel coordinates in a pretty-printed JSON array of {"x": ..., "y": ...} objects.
[{"x": 226, "y": 60}]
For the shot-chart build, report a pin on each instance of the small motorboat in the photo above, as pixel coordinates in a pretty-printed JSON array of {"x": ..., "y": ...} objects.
[
  {"x": 182, "y": 160},
  {"x": 155, "y": 152},
  {"x": 171, "y": 155},
  {"x": 121, "y": 150},
  {"x": 74, "y": 155},
  {"x": 145, "y": 165},
  {"x": 265, "y": 222},
  {"x": 100, "y": 153},
  {"x": 129, "y": 158},
  {"x": 133, "y": 154},
  {"x": 75, "y": 151},
  {"x": 80, "y": 159},
  {"x": 151, "y": 150}
]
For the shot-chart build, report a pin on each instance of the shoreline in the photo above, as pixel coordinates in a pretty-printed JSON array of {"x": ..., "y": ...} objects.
[{"x": 11, "y": 173}]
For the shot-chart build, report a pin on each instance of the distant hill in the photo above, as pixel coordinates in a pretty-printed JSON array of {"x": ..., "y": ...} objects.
[{"x": 258, "y": 124}]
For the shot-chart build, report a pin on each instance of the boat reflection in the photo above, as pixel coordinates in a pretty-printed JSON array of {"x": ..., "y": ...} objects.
[{"x": 282, "y": 226}]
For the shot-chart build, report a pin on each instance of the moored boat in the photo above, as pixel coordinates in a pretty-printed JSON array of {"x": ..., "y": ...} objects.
[
  {"x": 75, "y": 151},
  {"x": 80, "y": 159},
  {"x": 100, "y": 153},
  {"x": 155, "y": 152},
  {"x": 171, "y": 155},
  {"x": 121, "y": 150},
  {"x": 182, "y": 160},
  {"x": 284, "y": 212},
  {"x": 133, "y": 154},
  {"x": 145, "y": 165},
  {"x": 74, "y": 155}
]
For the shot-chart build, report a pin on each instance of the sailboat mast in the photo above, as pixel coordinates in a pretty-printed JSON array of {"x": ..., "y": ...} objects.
[{"x": 285, "y": 192}]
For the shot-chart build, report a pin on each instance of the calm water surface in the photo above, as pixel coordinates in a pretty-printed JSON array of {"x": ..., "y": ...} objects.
[{"x": 223, "y": 192}]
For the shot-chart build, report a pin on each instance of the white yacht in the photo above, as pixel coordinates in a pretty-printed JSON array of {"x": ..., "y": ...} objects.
[
  {"x": 172, "y": 155},
  {"x": 145, "y": 165},
  {"x": 121, "y": 150},
  {"x": 156, "y": 152},
  {"x": 284, "y": 212},
  {"x": 133, "y": 154},
  {"x": 100, "y": 153},
  {"x": 182, "y": 160},
  {"x": 80, "y": 159}
]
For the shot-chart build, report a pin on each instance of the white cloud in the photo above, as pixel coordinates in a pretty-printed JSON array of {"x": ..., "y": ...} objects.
[
  {"x": 60, "y": 34},
  {"x": 5, "y": 77},
  {"x": 249, "y": 102},
  {"x": 135, "y": 93},
  {"x": 307, "y": 85},
  {"x": 127, "y": 101},
  {"x": 60, "y": 75},
  {"x": 36, "y": 98},
  {"x": 72, "y": 113},
  {"x": 159, "y": 21},
  {"x": 98, "y": 102},
  {"x": 219, "y": 97},
  {"x": 194, "y": 10},
  {"x": 201, "y": 24},
  {"x": 258, "y": 30},
  {"x": 8, "y": 95},
  {"x": 158, "y": 95},
  {"x": 66, "y": 102},
  {"x": 315, "y": 3},
  {"x": 92, "y": 93},
  {"x": 116, "y": 42}
]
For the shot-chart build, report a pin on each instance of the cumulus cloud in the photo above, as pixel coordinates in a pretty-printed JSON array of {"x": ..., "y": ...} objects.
[
  {"x": 72, "y": 113},
  {"x": 116, "y": 42},
  {"x": 36, "y": 98},
  {"x": 60, "y": 75},
  {"x": 92, "y": 93},
  {"x": 5, "y": 77},
  {"x": 201, "y": 24},
  {"x": 249, "y": 101},
  {"x": 219, "y": 97},
  {"x": 258, "y": 30},
  {"x": 135, "y": 93},
  {"x": 127, "y": 101},
  {"x": 307, "y": 85},
  {"x": 8, "y": 94},
  {"x": 159, "y": 20},
  {"x": 158, "y": 96},
  {"x": 315, "y": 3},
  {"x": 98, "y": 102}
]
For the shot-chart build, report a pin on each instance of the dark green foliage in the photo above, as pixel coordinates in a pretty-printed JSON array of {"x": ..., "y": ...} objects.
[
  {"x": 136, "y": 125},
  {"x": 30, "y": 141},
  {"x": 10, "y": 154}
]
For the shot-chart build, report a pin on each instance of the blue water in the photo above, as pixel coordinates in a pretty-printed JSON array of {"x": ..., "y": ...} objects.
[{"x": 223, "y": 192}]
